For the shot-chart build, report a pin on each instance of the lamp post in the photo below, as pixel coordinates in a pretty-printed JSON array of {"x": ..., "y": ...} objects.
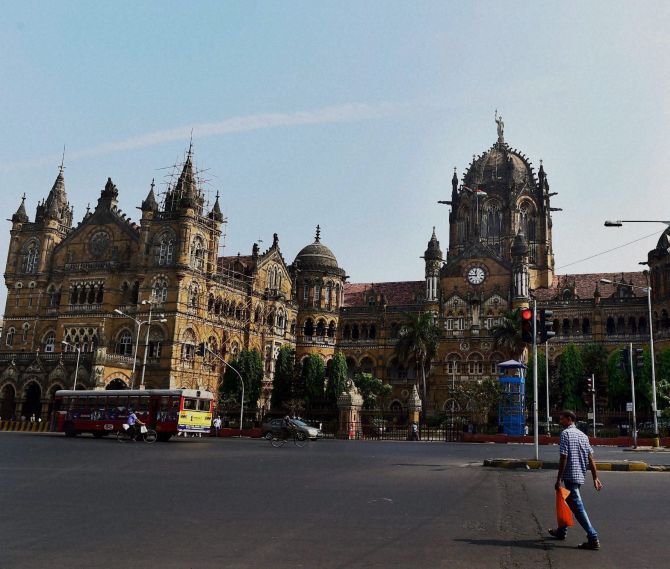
[
  {"x": 225, "y": 363},
  {"x": 139, "y": 324},
  {"x": 76, "y": 369},
  {"x": 651, "y": 348}
]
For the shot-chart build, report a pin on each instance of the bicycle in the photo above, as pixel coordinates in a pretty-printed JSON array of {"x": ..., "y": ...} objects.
[
  {"x": 147, "y": 435},
  {"x": 279, "y": 439}
]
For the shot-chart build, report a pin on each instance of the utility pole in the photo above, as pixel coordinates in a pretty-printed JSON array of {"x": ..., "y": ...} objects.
[
  {"x": 536, "y": 433},
  {"x": 546, "y": 372},
  {"x": 632, "y": 388}
]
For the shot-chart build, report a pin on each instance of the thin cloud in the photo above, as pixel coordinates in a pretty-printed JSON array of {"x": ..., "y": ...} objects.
[{"x": 352, "y": 112}]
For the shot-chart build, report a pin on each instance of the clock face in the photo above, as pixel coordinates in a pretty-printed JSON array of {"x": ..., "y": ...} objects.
[
  {"x": 99, "y": 244},
  {"x": 476, "y": 275}
]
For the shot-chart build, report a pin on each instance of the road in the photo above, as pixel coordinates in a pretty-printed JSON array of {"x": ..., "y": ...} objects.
[{"x": 238, "y": 504}]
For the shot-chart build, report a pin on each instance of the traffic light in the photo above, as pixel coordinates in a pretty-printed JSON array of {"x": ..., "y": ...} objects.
[
  {"x": 589, "y": 385},
  {"x": 639, "y": 358},
  {"x": 546, "y": 325},
  {"x": 200, "y": 350},
  {"x": 624, "y": 359},
  {"x": 527, "y": 325}
]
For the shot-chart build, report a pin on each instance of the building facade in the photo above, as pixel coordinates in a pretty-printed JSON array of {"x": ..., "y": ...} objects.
[{"x": 111, "y": 303}]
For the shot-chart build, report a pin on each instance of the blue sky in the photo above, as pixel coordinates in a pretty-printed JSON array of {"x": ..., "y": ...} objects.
[{"x": 347, "y": 114}]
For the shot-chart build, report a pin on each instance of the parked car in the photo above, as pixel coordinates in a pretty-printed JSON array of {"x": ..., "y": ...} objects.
[{"x": 275, "y": 425}]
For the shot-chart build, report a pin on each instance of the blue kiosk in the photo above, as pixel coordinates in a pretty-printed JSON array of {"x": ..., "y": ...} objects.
[{"x": 511, "y": 412}]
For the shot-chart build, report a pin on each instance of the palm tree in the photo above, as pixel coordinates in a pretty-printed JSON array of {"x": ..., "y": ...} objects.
[
  {"x": 507, "y": 334},
  {"x": 418, "y": 339}
]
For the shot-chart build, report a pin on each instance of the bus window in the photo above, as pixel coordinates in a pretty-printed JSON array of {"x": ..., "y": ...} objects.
[
  {"x": 203, "y": 405},
  {"x": 163, "y": 411},
  {"x": 143, "y": 406},
  {"x": 190, "y": 404},
  {"x": 134, "y": 403}
]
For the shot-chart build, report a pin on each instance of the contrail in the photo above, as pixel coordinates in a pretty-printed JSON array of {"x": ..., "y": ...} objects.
[{"x": 351, "y": 112}]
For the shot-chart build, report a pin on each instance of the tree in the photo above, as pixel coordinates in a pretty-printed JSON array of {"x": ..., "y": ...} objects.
[
  {"x": 282, "y": 384},
  {"x": 541, "y": 380},
  {"x": 314, "y": 377},
  {"x": 507, "y": 335},
  {"x": 571, "y": 378},
  {"x": 337, "y": 381},
  {"x": 418, "y": 340},
  {"x": 594, "y": 358},
  {"x": 371, "y": 389},
  {"x": 618, "y": 383},
  {"x": 249, "y": 365},
  {"x": 485, "y": 394}
]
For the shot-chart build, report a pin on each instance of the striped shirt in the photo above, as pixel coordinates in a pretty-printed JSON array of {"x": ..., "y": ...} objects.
[{"x": 575, "y": 445}]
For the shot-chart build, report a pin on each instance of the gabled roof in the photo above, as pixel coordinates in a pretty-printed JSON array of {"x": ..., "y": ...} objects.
[
  {"x": 395, "y": 293},
  {"x": 584, "y": 285}
]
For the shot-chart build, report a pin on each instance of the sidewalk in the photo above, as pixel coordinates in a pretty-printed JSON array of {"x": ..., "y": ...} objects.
[{"x": 608, "y": 466}]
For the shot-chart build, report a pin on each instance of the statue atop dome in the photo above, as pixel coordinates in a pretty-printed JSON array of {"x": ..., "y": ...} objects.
[{"x": 501, "y": 128}]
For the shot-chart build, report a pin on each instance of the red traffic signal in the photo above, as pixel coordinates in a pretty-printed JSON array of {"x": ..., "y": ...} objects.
[{"x": 527, "y": 325}]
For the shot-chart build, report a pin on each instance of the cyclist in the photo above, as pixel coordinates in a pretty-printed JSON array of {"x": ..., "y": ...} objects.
[
  {"x": 287, "y": 427},
  {"x": 133, "y": 421}
]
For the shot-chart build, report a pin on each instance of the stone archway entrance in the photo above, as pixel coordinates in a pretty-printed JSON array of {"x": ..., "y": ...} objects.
[
  {"x": 33, "y": 402},
  {"x": 117, "y": 383},
  {"x": 8, "y": 404}
]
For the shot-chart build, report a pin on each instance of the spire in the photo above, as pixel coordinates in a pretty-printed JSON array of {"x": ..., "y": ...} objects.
[
  {"x": 317, "y": 238},
  {"x": 433, "y": 252},
  {"x": 56, "y": 206},
  {"x": 21, "y": 216},
  {"x": 520, "y": 245},
  {"x": 150, "y": 204},
  {"x": 187, "y": 188},
  {"x": 216, "y": 214}
]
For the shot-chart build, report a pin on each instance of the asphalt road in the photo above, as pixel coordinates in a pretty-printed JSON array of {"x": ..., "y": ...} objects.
[{"x": 238, "y": 504}]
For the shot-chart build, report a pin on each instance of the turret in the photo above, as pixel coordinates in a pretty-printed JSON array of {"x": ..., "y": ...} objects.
[
  {"x": 520, "y": 277},
  {"x": 433, "y": 260},
  {"x": 21, "y": 216}
]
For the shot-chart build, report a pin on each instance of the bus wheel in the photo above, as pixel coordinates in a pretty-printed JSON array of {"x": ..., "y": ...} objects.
[
  {"x": 70, "y": 431},
  {"x": 164, "y": 437}
]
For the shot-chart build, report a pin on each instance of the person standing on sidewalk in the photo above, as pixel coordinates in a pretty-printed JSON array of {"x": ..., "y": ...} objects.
[{"x": 576, "y": 456}]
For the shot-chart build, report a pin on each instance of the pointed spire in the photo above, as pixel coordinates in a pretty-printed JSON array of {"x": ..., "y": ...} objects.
[
  {"x": 433, "y": 252},
  {"x": 56, "y": 206},
  {"x": 150, "y": 204},
  {"x": 216, "y": 214},
  {"x": 21, "y": 216},
  {"x": 317, "y": 238},
  {"x": 186, "y": 189}
]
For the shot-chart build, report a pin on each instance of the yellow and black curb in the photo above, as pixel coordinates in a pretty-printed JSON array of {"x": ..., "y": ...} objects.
[
  {"x": 25, "y": 426},
  {"x": 613, "y": 466}
]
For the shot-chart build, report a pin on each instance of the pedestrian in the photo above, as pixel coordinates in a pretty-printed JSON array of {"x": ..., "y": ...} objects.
[
  {"x": 414, "y": 434},
  {"x": 217, "y": 425},
  {"x": 576, "y": 456},
  {"x": 32, "y": 418}
]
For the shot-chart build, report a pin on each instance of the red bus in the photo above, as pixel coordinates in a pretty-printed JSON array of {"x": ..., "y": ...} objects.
[{"x": 167, "y": 411}]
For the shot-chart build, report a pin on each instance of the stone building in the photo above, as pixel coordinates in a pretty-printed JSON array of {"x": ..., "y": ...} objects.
[{"x": 80, "y": 297}]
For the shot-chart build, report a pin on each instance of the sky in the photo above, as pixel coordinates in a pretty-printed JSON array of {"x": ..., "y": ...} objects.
[{"x": 347, "y": 114}]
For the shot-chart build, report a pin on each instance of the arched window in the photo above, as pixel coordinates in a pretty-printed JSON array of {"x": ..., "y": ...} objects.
[
  {"x": 198, "y": 253},
  {"x": 309, "y": 327},
  {"x": 321, "y": 328},
  {"x": 586, "y": 326},
  {"x": 165, "y": 250},
  {"x": 632, "y": 325},
  {"x": 367, "y": 365},
  {"x": 527, "y": 220},
  {"x": 620, "y": 325},
  {"x": 124, "y": 343},
  {"x": 49, "y": 342},
  {"x": 611, "y": 327},
  {"x": 159, "y": 290},
  {"x": 642, "y": 325},
  {"x": 156, "y": 339},
  {"x": 30, "y": 258},
  {"x": 372, "y": 332},
  {"x": 9, "y": 337},
  {"x": 331, "y": 329},
  {"x": 193, "y": 293},
  {"x": 26, "y": 330},
  {"x": 566, "y": 327},
  {"x": 188, "y": 348},
  {"x": 346, "y": 332},
  {"x": 135, "y": 293},
  {"x": 394, "y": 329},
  {"x": 355, "y": 333},
  {"x": 452, "y": 365},
  {"x": 475, "y": 365}
]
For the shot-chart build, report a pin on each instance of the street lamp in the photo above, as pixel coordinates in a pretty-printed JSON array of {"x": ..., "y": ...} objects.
[
  {"x": 138, "y": 325},
  {"x": 647, "y": 289},
  {"x": 146, "y": 341},
  {"x": 620, "y": 222},
  {"x": 76, "y": 369}
]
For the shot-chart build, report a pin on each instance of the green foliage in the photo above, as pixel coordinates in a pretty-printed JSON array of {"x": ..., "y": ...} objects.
[
  {"x": 338, "y": 377},
  {"x": 643, "y": 384},
  {"x": 314, "y": 378},
  {"x": 249, "y": 365},
  {"x": 372, "y": 389},
  {"x": 485, "y": 395},
  {"x": 507, "y": 335},
  {"x": 571, "y": 378},
  {"x": 418, "y": 340},
  {"x": 618, "y": 383},
  {"x": 594, "y": 358},
  {"x": 541, "y": 379},
  {"x": 282, "y": 384}
]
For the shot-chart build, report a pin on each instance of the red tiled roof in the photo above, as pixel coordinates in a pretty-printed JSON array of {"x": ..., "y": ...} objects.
[
  {"x": 395, "y": 293},
  {"x": 584, "y": 285},
  {"x": 229, "y": 261}
]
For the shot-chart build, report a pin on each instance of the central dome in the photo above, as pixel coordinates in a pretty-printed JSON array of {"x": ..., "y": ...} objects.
[
  {"x": 316, "y": 255},
  {"x": 500, "y": 166}
]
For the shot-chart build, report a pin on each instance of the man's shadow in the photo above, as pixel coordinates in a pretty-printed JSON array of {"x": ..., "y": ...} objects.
[{"x": 538, "y": 543}]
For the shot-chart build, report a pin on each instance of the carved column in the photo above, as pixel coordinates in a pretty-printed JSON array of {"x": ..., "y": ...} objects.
[{"x": 349, "y": 403}]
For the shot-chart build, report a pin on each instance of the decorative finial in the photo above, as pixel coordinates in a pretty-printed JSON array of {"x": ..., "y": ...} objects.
[
  {"x": 153, "y": 183},
  {"x": 88, "y": 208},
  {"x": 501, "y": 128},
  {"x": 62, "y": 161},
  {"x": 318, "y": 234},
  {"x": 23, "y": 198},
  {"x": 190, "y": 145}
]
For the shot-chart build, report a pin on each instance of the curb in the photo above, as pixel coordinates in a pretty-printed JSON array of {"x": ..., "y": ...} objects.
[{"x": 614, "y": 466}]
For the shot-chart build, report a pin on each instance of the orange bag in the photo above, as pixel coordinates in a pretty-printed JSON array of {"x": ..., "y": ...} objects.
[{"x": 563, "y": 511}]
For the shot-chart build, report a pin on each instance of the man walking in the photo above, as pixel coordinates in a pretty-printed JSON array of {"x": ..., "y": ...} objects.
[{"x": 576, "y": 456}]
